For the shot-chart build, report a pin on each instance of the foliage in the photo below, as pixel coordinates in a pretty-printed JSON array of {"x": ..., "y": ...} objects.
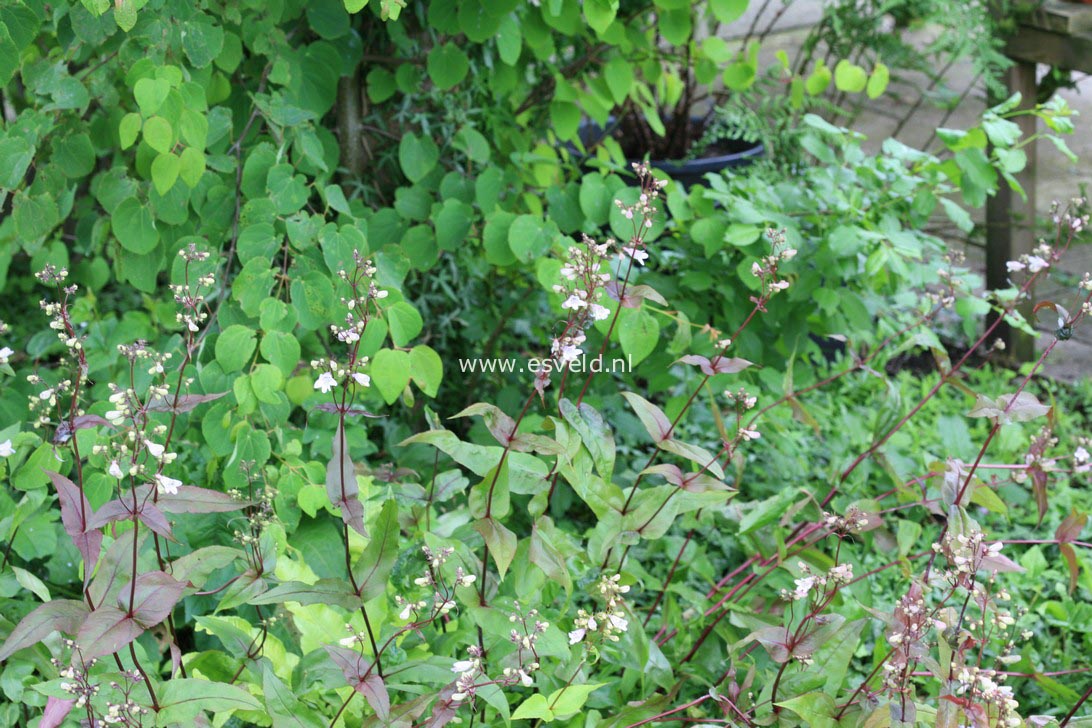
[{"x": 250, "y": 478}]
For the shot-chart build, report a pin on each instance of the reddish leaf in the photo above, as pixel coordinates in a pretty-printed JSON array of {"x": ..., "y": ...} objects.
[
  {"x": 692, "y": 482},
  {"x": 721, "y": 365},
  {"x": 106, "y": 631},
  {"x": 652, "y": 417},
  {"x": 156, "y": 594},
  {"x": 192, "y": 499},
  {"x": 59, "y": 615},
  {"x": 184, "y": 403},
  {"x": 443, "y": 710},
  {"x": 363, "y": 679},
  {"x": 500, "y": 425},
  {"x": 775, "y": 640},
  {"x": 634, "y": 295},
  {"x": 122, "y": 510},
  {"x": 1071, "y": 527},
  {"x": 114, "y": 567},
  {"x": 56, "y": 710},
  {"x": 341, "y": 487},
  {"x": 1070, "y": 557},
  {"x": 76, "y": 514}
]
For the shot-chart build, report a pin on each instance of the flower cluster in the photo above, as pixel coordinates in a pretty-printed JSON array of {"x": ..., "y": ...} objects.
[
  {"x": 767, "y": 269},
  {"x": 583, "y": 280},
  {"x": 193, "y": 312},
  {"x": 525, "y": 639},
  {"x": 469, "y": 671},
  {"x": 607, "y": 622},
  {"x": 984, "y": 687},
  {"x": 854, "y": 521},
  {"x": 642, "y": 213},
  {"x": 432, "y": 576},
  {"x": 333, "y": 374},
  {"x": 838, "y": 575}
]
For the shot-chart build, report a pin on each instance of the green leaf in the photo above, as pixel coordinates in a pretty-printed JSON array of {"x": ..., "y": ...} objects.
[
  {"x": 530, "y": 238},
  {"x": 404, "y": 322},
  {"x": 191, "y": 166},
  {"x": 150, "y": 94},
  {"x": 158, "y": 134},
  {"x": 426, "y": 369},
  {"x": 202, "y": 41},
  {"x": 128, "y": 129},
  {"x": 501, "y": 542},
  {"x": 509, "y": 40},
  {"x": 281, "y": 703},
  {"x": 15, "y": 157},
  {"x": 565, "y": 117},
  {"x": 418, "y": 156},
  {"x": 165, "y": 169},
  {"x": 355, "y": 6},
  {"x": 534, "y": 707},
  {"x": 447, "y": 65},
  {"x": 381, "y": 553},
  {"x": 282, "y": 350},
  {"x": 134, "y": 226},
  {"x": 571, "y": 698},
  {"x": 181, "y": 700},
  {"x": 618, "y": 73},
  {"x": 726, "y": 11},
  {"x": 877, "y": 82},
  {"x": 740, "y": 75},
  {"x": 600, "y": 14},
  {"x": 818, "y": 80},
  {"x": 390, "y": 373},
  {"x": 816, "y": 709},
  {"x": 849, "y": 77},
  {"x": 638, "y": 332},
  {"x": 235, "y": 346}
]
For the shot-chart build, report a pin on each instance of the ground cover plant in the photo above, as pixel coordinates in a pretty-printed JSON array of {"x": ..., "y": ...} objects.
[{"x": 254, "y": 257}]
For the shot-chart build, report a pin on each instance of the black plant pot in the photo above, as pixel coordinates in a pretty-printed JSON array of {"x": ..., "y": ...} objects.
[{"x": 690, "y": 171}]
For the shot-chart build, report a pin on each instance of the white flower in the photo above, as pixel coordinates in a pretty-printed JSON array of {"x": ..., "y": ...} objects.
[
  {"x": 348, "y": 641},
  {"x": 750, "y": 434},
  {"x": 803, "y": 586},
  {"x": 576, "y": 635},
  {"x": 362, "y": 379},
  {"x": 5, "y": 354},
  {"x": 115, "y": 470},
  {"x": 525, "y": 679},
  {"x": 406, "y": 612},
  {"x": 570, "y": 353},
  {"x": 325, "y": 382},
  {"x": 6, "y": 449},
  {"x": 619, "y": 623},
  {"x": 1014, "y": 266},
  {"x": 46, "y": 394},
  {"x": 639, "y": 256},
  {"x": 155, "y": 449},
  {"x": 574, "y": 302},
  {"x": 167, "y": 485},
  {"x": 464, "y": 666},
  {"x": 1080, "y": 455},
  {"x": 598, "y": 312},
  {"x": 756, "y": 270},
  {"x": 1036, "y": 264}
]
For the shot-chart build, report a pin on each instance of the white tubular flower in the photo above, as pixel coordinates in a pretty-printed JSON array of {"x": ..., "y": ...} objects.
[
  {"x": 574, "y": 302},
  {"x": 167, "y": 485},
  {"x": 325, "y": 382},
  {"x": 639, "y": 256},
  {"x": 5, "y": 354},
  {"x": 750, "y": 434},
  {"x": 1015, "y": 266},
  {"x": 6, "y": 449},
  {"x": 115, "y": 470},
  {"x": 155, "y": 449},
  {"x": 1036, "y": 264},
  {"x": 362, "y": 379},
  {"x": 598, "y": 312},
  {"x": 577, "y": 635}
]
